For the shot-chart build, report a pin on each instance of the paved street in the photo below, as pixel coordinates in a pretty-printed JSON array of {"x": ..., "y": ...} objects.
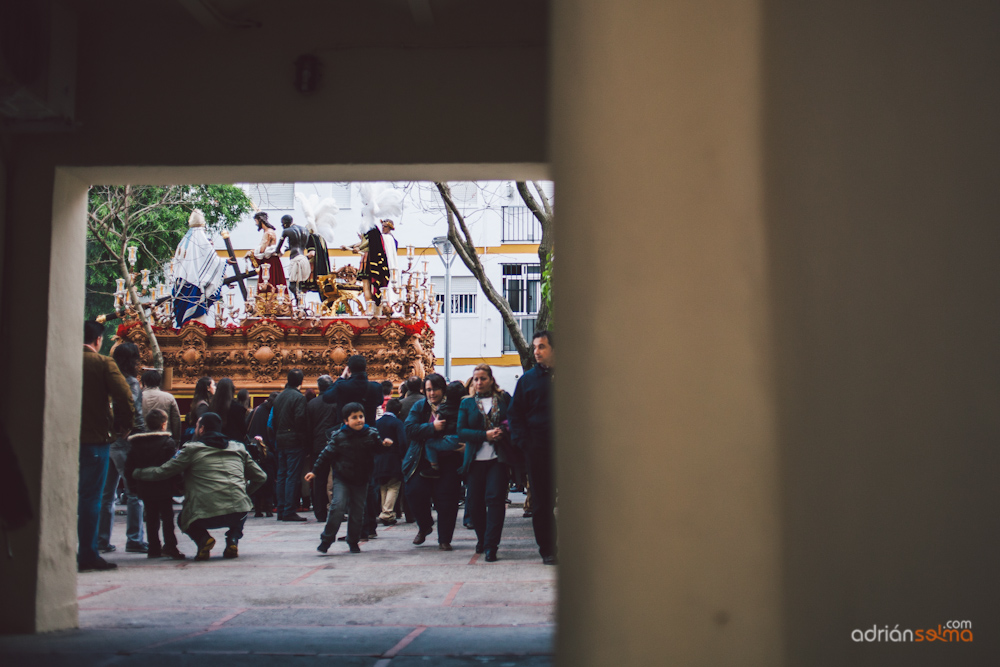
[{"x": 281, "y": 602}]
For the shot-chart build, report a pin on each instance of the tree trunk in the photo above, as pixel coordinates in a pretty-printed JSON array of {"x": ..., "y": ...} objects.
[
  {"x": 147, "y": 327},
  {"x": 543, "y": 212},
  {"x": 466, "y": 249}
]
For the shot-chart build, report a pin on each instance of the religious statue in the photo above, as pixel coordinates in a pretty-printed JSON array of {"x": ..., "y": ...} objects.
[
  {"x": 375, "y": 270},
  {"x": 198, "y": 273},
  {"x": 267, "y": 254},
  {"x": 298, "y": 265}
]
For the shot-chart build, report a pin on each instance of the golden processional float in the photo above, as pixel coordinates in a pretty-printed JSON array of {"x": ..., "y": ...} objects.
[{"x": 257, "y": 342}]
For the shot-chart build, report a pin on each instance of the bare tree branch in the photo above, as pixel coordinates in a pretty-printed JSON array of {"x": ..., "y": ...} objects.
[{"x": 466, "y": 249}]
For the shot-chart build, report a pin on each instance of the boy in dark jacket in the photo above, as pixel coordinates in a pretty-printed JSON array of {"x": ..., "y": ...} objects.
[
  {"x": 149, "y": 450},
  {"x": 351, "y": 455},
  {"x": 447, "y": 440}
]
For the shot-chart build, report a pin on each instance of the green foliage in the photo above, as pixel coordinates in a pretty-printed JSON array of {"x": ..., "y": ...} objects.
[
  {"x": 154, "y": 218},
  {"x": 547, "y": 286}
]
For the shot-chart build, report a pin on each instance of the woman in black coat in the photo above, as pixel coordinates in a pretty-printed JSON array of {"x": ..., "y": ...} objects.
[
  {"x": 233, "y": 413},
  {"x": 422, "y": 424}
]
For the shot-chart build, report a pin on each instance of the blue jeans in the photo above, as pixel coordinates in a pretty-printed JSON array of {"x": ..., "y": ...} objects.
[
  {"x": 133, "y": 520},
  {"x": 349, "y": 497},
  {"x": 93, "y": 473},
  {"x": 289, "y": 486}
]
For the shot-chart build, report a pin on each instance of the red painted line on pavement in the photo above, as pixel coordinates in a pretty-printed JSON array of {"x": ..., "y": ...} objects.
[
  {"x": 307, "y": 574},
  {"x": 225, "y": 619},
  {"x": 211, "y": 628},
  {"x": 261, "y": 537},
  {"x": 103, "y": 590},
  {"x": 474, "y": 558},
  {"x": 451, "y": 595},
  {"x": 404, "y": 642}
]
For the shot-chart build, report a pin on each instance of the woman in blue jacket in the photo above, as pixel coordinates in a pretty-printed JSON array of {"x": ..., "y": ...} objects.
[
  {"x": 423, "y": 424},
  {"x": 481, "y": 426}
]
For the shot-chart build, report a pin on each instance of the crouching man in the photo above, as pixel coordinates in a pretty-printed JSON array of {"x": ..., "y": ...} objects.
[{"x": 219, "y": 475}]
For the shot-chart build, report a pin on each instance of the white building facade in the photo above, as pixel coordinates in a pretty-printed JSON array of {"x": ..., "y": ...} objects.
[{"x": 506, "y": 235}]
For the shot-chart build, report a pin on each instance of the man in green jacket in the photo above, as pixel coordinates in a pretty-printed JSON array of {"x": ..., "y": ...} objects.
[
  {"x": 219, "y": 475},
  {"x": 103, "y": 385}
]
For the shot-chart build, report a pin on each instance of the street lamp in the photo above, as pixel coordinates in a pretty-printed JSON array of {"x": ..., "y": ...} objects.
[{"x": 446, "y": 251}]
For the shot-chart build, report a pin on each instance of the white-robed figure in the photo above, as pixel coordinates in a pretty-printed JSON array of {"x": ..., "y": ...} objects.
[
  {"x": 198, "y": 273},
  {"x": 391, "y": 246}
]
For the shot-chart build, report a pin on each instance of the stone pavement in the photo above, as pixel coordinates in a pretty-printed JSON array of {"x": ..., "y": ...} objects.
[{"x": 283, "y": 603}]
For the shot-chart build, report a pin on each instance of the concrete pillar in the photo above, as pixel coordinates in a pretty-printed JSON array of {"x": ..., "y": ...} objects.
[
  {"x": 667, "y": 456},
  {"x": 779, "y": 374},
  {"x": 42, "y": 325}
]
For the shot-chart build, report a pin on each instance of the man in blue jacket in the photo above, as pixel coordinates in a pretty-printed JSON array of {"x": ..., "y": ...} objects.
[{"x": 530, "y": 419}]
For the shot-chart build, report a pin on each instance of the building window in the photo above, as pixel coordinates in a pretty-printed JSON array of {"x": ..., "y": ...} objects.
[
  {"x": 520, "y": 225},
  {"x": 342, "y": 194},
  {"x": 522, "y": 289},
  {"x": 273, "y": 196},
  {"x": 464, "y": 294}
]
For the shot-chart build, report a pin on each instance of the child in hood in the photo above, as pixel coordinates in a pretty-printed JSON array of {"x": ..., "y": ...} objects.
[
  {"x": 446, "y": 440},
  {"x": 148, "y": 450}
]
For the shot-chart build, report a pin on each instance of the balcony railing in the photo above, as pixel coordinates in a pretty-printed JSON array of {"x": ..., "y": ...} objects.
[{"x": 520, "y": 225}]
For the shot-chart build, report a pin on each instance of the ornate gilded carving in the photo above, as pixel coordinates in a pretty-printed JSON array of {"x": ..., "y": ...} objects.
[
  {"x": 190, "y": 359},
  {"x": 341, "y": 288},
  {"x": 264, "y": 351},
  {"x": 257, "y": 355}
]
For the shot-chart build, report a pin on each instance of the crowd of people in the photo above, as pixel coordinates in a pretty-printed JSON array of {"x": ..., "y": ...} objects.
[{"x": 351, "y": 450}]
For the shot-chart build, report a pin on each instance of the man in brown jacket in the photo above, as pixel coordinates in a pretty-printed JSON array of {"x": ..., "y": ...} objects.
[{"x": 103, "y": 384}]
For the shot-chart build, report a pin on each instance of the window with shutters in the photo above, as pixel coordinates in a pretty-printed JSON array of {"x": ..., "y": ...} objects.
[
  {"x": 273, "y": 196},
  {"x": 522, "y": 289},
  {"x": 464, "y": 294},
  {"x": 342, "y": 194}
]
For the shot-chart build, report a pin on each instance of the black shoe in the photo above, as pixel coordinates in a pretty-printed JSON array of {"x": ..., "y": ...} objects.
[
  {"x": 528, "y": 514},
  {"x": 421, "y": 536},
  {"x": 108, "y": 549},
  {"x": 444, "y": 547},
  {"x": 293, "y": 517},
  {"x": 480, "y": 548},
  {"x": 388, "y": 522},
  {"x": 324, "y": 546},
  {"x": 355, "y": 549},
  {"x": 372, "y": 535},
  {"x": 549, "y": 560},
  {"x": 491, "y": 556},
  {"x": 154, "y": 552},
  {"x": 468, "y": 525},
  {"x": 172, "y": 552},
  {"x": 137, "y": 548},
  {"x": 96, "y": 566},
  {"x": 258, "y": 515}
]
